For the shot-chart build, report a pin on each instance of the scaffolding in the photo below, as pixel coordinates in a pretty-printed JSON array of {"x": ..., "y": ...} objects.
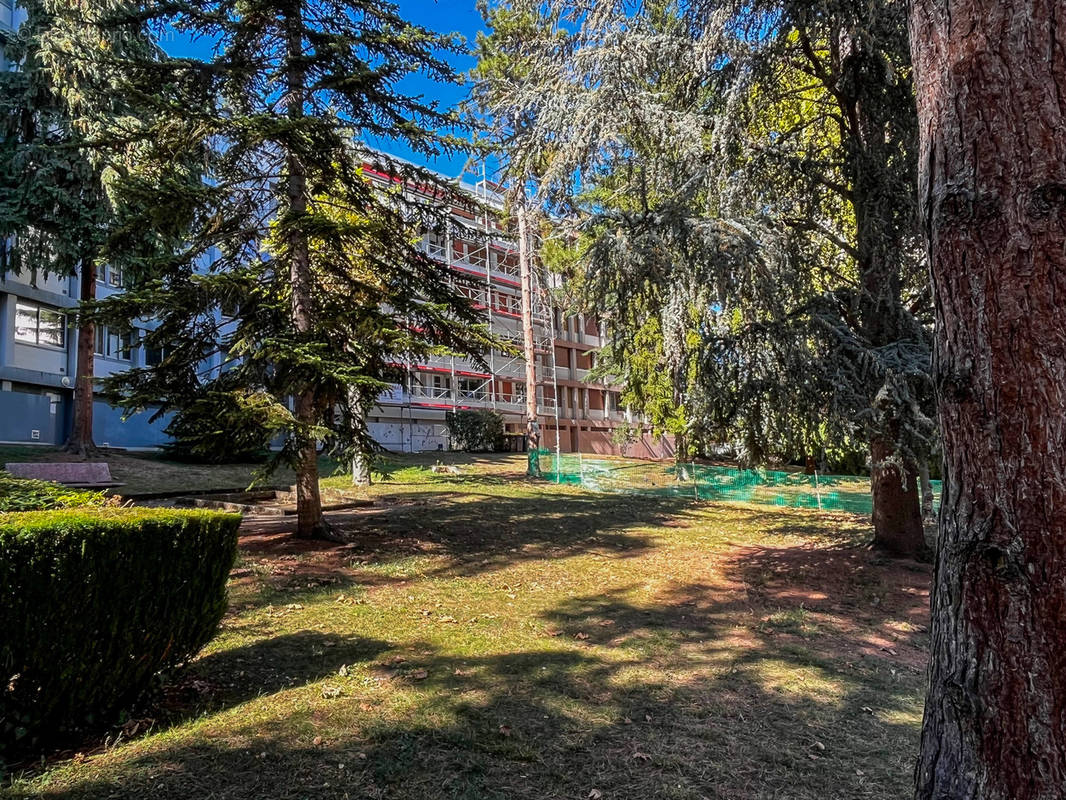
[{"x": 488, "y": 252}]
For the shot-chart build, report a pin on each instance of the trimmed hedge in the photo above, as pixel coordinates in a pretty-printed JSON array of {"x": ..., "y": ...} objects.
[
  {"x": 26, "y": 494},
  {"x": 94, "y": 603}
]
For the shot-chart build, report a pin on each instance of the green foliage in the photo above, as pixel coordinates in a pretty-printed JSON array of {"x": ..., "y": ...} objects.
[
  {"x": 25, "y": 494},
  {"x": 52, "y": 200},
  {"x": 735, "y": 183},
  {"x": 475, "y": 431},
  {"x": 225, "y": 425},
  {"x": 95, "y": 603},
  {"x": 301, "y": 276}
]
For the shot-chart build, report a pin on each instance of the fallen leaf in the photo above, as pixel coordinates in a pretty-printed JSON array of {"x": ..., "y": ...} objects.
[
  {"x": 581, "y": 635},
  {"x": 595, "y": 794},
  {"x": 505, "y": 730},
  {"x": 418, "y": 675},
  {"x": 317, "y": 741}
]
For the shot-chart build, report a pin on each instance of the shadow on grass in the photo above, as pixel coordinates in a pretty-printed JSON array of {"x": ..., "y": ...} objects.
[
  {"x": 687, "y": 697},
  {"x": 450, "y": 534},
  {"x": 229, "y": 677}
]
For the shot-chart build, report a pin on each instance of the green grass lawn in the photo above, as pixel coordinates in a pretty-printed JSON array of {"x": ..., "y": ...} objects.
[{"x": 486, "y": 636}]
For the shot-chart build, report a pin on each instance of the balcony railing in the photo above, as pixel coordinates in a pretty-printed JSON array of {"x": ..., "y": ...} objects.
[{"x": 436, "y": 393}]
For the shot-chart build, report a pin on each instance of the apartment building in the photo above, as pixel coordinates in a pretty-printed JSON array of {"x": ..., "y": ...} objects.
[
  {"x": 38, "y": 357},
  {"x": 38, "y": 362},
  {"x": 575, "y": 415}
]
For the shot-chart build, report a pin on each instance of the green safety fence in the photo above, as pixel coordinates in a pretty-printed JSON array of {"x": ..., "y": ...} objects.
[{"x": 846, "y": 493}]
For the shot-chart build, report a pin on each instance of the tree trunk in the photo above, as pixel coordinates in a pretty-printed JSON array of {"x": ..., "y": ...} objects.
[
  {"x": 80, "y": 440},
  {"x": 528, "y": 343},
  {"x": 897, "y": 514},
  {"x": 361, "y": 460},
  {"x": 927, "y": 491},
  {"x": 991, "y": 88},
  {"x": 360, "y": 469},
  {"x": 880, "y": 235},
  {"x": 310, "y": 523}
]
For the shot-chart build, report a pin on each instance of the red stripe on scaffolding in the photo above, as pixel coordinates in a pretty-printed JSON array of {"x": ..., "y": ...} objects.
[
  {"x": 481, "y": 274},
  {"x": 445, "y": 370}
]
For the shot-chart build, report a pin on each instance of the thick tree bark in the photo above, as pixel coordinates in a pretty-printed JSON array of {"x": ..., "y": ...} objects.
[
  {"x": 80, "y": 440},
  {"x": 310, "y": 523},
  {"x": 991, "y": 88}
]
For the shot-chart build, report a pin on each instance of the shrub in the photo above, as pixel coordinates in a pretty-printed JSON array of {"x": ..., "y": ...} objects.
[
  {"x": 95, "y": 603},
  {"x": 476, "y": 431},
  {"x": 221, "y": 426},
  {"x": 24, "y": 494}
]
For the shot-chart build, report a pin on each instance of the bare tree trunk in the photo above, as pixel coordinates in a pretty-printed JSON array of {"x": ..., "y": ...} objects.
[
  {"x": 310, "y": 523},
  {"x": 528, "y": 343},
  {"x": 360, "y": 469},
  {"x": 991, "y": 88},
  {"x": 361, "y": 460},
  {"x": 897, "y": 514},
  {"x": 927, "y": 491},
  {"x": 80, "y": 440}
]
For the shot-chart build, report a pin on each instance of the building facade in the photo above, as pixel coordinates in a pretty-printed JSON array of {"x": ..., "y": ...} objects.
[
  {"x": 38, "y": 349},
  {"x": 38, "y": 358},
  {"x": 575, "y": 413}
]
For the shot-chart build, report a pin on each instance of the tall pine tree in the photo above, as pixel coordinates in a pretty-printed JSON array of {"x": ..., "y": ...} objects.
[
  {"x": 54, "y": 209},
  {"x": 293, "y": 251}
]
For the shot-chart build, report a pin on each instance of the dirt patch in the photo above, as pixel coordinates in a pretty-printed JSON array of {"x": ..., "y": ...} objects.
[{"x": 863, "y": 605}]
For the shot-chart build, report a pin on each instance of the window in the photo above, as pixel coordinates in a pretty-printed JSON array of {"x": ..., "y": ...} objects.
[
  {"x": 472, "y": 389},
  {"x": 114, "y": 344},
  {"x": 40, "y": 325},
  {"x": 110, "y": 276},
  {"x": 153, "y": 356},
  {"x": 435, "y": 244}
]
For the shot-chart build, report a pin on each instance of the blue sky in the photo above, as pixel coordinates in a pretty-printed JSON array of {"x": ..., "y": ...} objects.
[{"x": 445, "y": 16}]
